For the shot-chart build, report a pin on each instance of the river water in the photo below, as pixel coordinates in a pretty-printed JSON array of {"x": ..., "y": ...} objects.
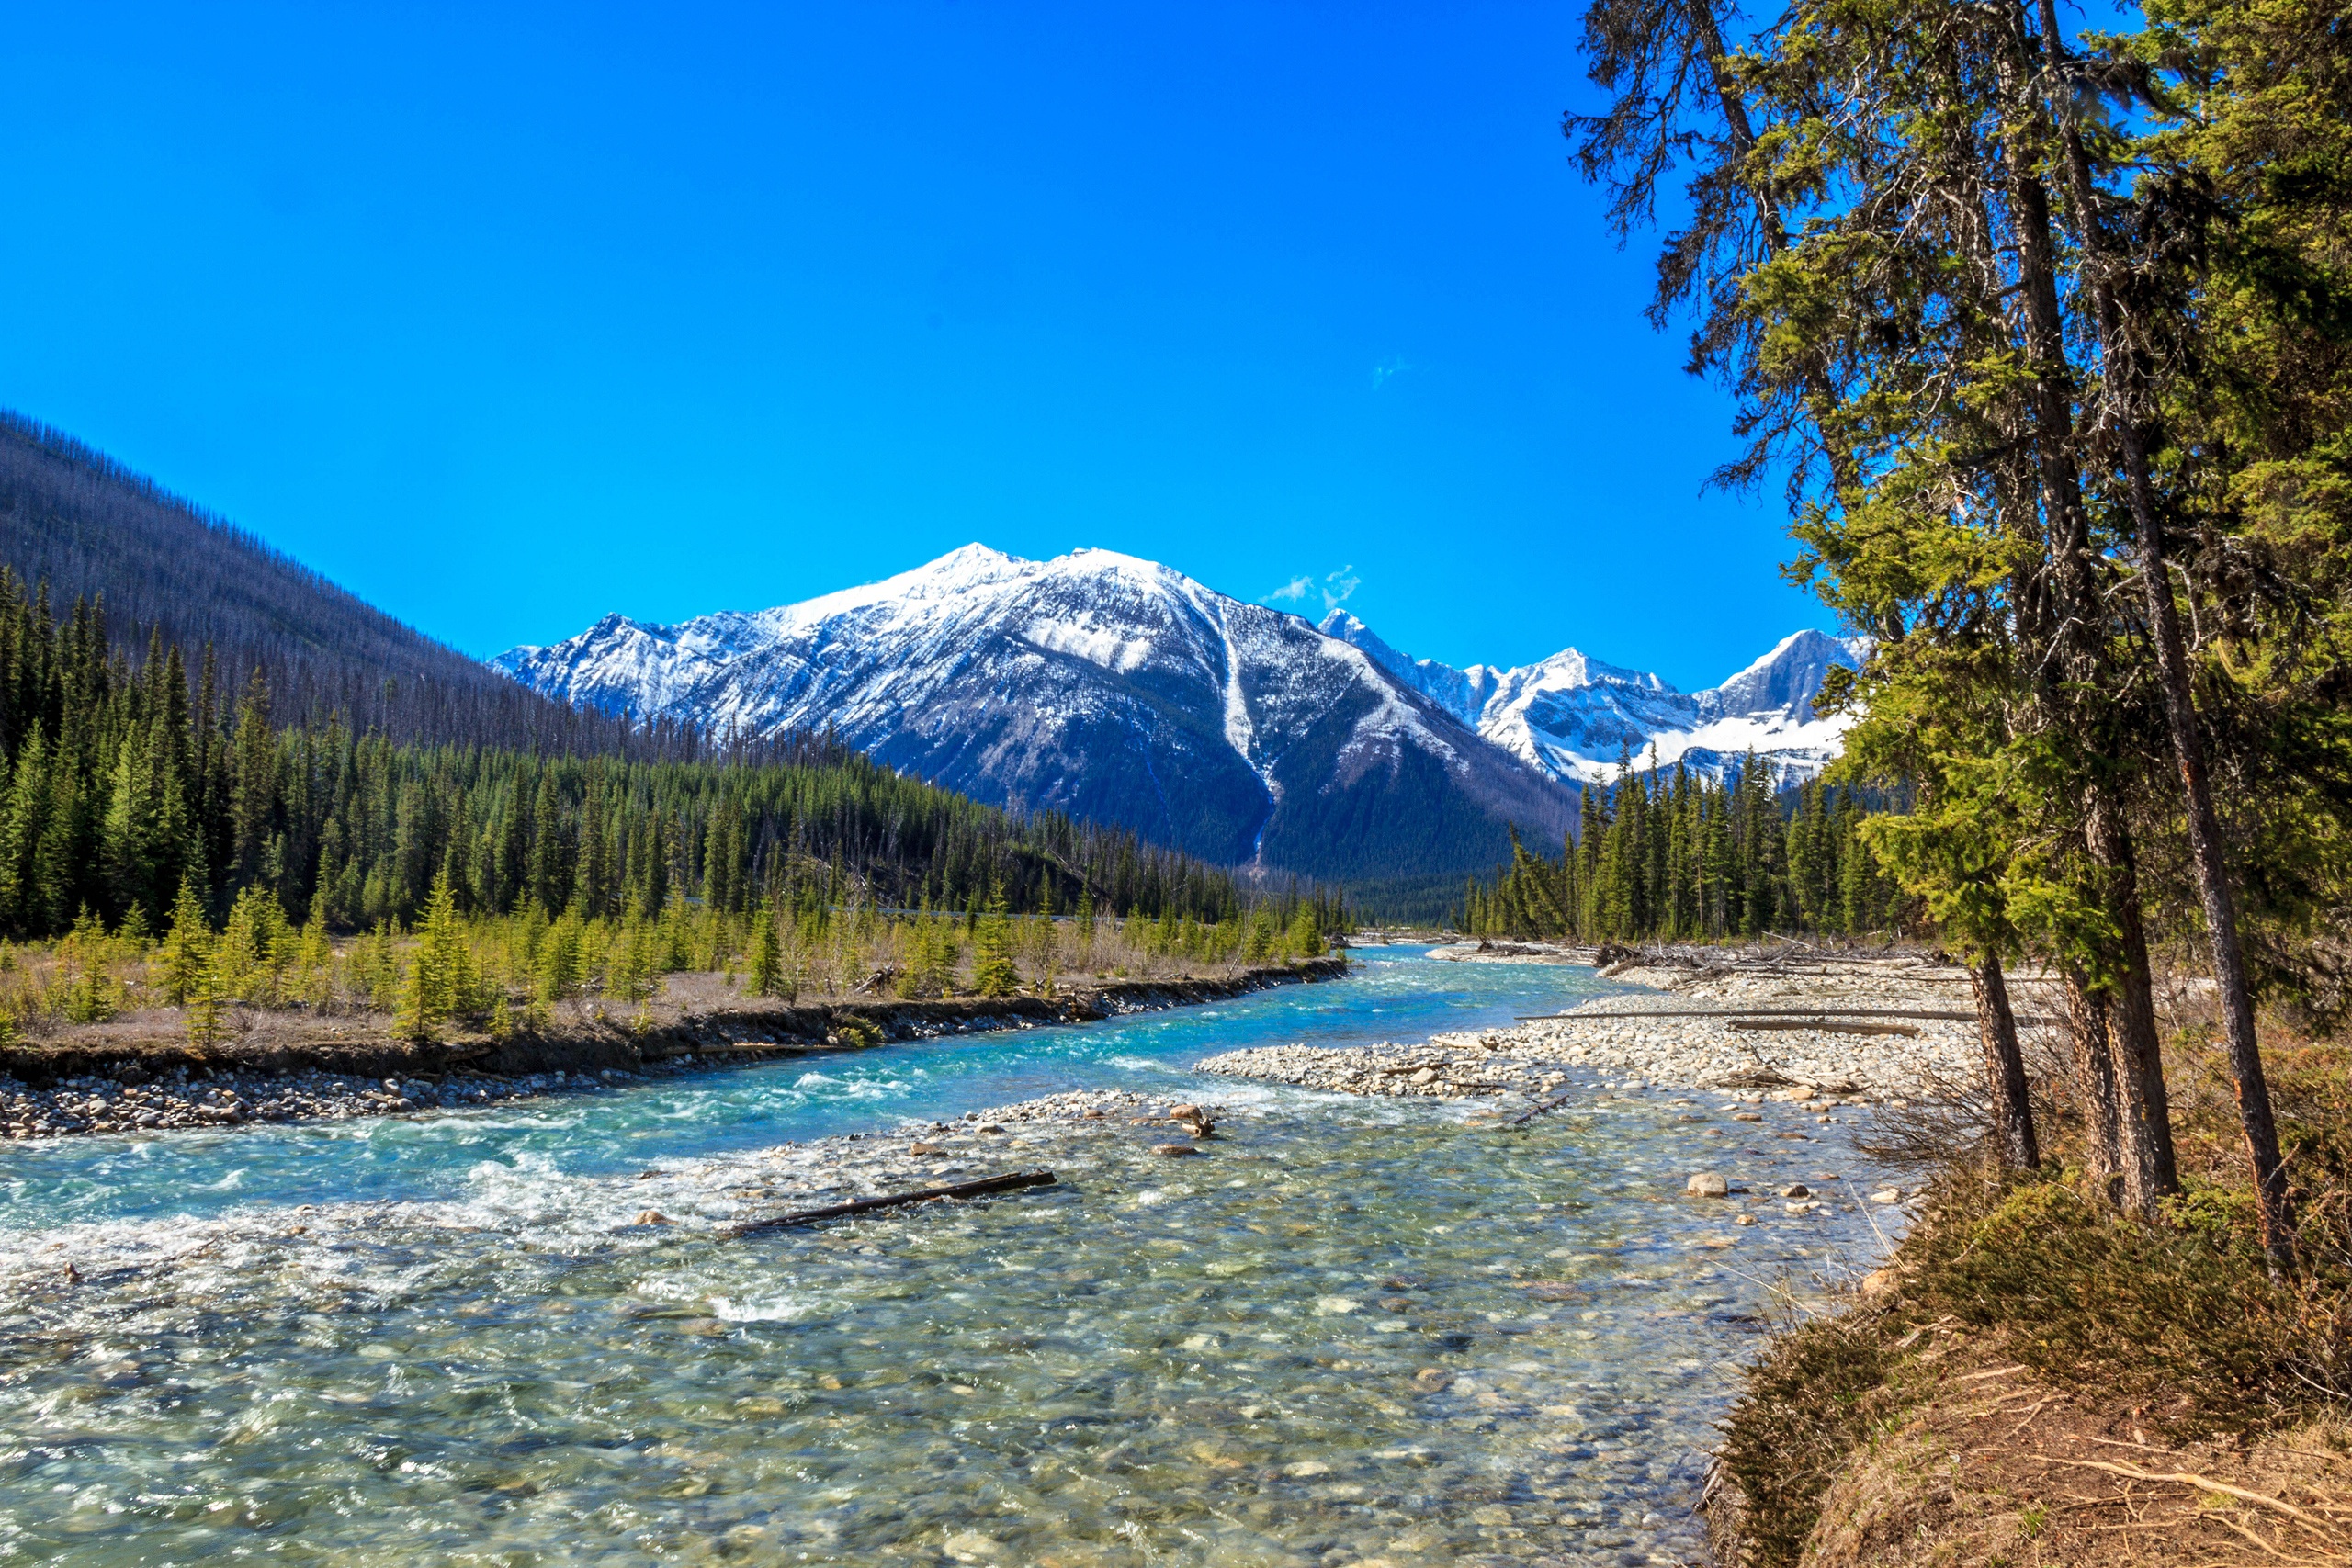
[{"x": 1359, "y": 1331}]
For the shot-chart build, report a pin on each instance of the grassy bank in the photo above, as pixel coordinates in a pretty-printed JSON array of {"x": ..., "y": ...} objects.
[
  {"x": 725, "y": 1030},
  {"x": 527, "y": 993},
  {"x": 2033, "y": 1379},
  {"x": 259, "y": 980}
]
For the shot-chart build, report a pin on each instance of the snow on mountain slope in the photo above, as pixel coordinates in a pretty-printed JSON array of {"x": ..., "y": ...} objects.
[
  {"x": 1101, "y": 685},
  {"x": 1572, "y": 718}
]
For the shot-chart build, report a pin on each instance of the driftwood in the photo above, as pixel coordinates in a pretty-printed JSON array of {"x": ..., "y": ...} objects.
[
  {"x": 1825, "y": 1026},
  {"x": 1771, "y": 1013},
  {"x": 867, "y": 1205},
  {"x": 1531, "y": 1112}
]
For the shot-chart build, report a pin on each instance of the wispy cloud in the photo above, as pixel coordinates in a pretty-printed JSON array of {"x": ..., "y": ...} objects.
[
  {"x": 1333, "y": 588},
  {"x": 1297, "y": 588}
]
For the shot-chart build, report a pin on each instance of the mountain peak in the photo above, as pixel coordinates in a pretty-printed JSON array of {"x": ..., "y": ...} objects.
[
  {"x": 1103, "y": 684},
  {"x": 1572, "y": 716},
  {"x": 1785, "y": 679}
]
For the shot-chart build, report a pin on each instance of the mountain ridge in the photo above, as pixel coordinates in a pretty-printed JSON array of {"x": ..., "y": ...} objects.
[
  {"x": 1121, "y": 690},
  {"x": 85, "y": 526},
  {"x": 1099, "y": 683},
  {"x": 1570, "y": 716}
]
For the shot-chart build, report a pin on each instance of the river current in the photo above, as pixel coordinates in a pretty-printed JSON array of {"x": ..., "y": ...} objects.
[{"x": 1359, "y": 1331}]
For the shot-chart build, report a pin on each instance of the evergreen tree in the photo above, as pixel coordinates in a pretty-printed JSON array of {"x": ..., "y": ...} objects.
[
  {"x": 766, "y": 954},
  {"x": 187, "y": 954},
  {"x": 993, "y": 974}
]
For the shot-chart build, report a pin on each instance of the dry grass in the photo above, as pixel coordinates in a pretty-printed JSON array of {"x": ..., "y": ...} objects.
[
  {"x": 287, "y": 986},
  {"x": 1860, "y": 1438}
]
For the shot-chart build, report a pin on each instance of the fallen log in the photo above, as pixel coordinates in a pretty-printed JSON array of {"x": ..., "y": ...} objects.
[
  {"x": 867, "y": 1205},
  {"x": 1531, "y": 1112},
  {"x": 1823, "y": 1025},
  {"x": 1770, "y": 1012}
]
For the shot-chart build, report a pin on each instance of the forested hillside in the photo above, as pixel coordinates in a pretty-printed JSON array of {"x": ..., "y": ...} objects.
[
  {"x": 125, "y": 778},
  {"x": 1684, "y": 858},
  {"x": 90, "y": 528}
]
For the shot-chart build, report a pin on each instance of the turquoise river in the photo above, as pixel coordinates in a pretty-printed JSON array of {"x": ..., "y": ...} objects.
[{"x": 1356, "y": 1332}]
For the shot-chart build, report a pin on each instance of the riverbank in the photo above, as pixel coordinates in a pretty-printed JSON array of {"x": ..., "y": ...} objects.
[
  {"x": 1831, "y": 1035},
  {"x": 2033, "y": 1377},
  {"x": 96, "y": 1085},
  {"x": 1339, "y": 1332}
]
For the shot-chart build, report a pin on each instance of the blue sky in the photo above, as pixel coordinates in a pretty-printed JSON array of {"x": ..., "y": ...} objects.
[{"x": 506, "y": 317}]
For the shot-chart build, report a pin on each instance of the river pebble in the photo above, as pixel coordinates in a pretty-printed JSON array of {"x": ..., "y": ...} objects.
[
  {"x": 1637, "y": 1041},
  {"x": 178, "y": 1098}
]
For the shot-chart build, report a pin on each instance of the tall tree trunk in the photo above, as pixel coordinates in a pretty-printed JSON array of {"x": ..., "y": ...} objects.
[
  {"x": 2214, "y": 888},
  {"x": 2145, "y": 1126},
  {"x": 2013, "y": 1139},
  {"x": 2145, "y": 1119},
  {"x": 2095, "y": 1083}
]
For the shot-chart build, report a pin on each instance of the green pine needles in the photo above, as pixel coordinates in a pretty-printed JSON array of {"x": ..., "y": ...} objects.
[{"x": 1682, "y": 858}]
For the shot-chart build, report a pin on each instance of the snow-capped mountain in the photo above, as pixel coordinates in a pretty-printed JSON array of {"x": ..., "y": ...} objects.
[
  {"x": 1099, "y": 684},
  {"x": 1572, "y": 718}
]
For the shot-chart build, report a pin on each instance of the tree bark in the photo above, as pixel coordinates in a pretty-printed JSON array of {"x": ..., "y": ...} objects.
[
  {"x": 2214, "y": 888},
  {"x": 2013, "y": 1141},
  {"x": 2145, "y": 1123},
  {"x": 2095, "y": 1084}
]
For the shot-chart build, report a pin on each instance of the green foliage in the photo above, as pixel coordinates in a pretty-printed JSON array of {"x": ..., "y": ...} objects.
[
  {"x": 441, "y": 982},
  {"x": 187, "y": 950},
  {"x": 764, "y": 954},
  {"x": 1678, "y": 857},
  {"x": 561, "y": 964},
  {"x": 993, "y": 974},
  {"x": 133, "y": 785},
  {"x": 2007, "y": 308},
  {"x": 202, "y": 1010}
]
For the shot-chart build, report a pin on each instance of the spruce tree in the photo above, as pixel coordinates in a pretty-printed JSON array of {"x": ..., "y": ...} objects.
[
  {"x": 993, "y": 974},
  {"x": 765, "y": 955},
  {"x": 187, "y": 952},
  {"x": 203, "y": 1011}
]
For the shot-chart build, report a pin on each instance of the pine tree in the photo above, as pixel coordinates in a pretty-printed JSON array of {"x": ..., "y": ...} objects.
[
  {"x": 993, "y": 974},
  {"x": 765, "y": 955},
  {"x": 560, "y": 964},
  {"x": 203, "y": 1010},
  {"x": 187, "y": 954}
]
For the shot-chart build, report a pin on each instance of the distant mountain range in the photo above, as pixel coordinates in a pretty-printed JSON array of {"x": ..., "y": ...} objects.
[
  {"x": 1572, "y": 718},
  {"x": 1122, "y": 691}
]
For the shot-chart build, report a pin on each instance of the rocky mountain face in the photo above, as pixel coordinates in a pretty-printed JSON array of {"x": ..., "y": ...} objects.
[
  {"x": 1572, "y": 718},
  {"x": 1103, "y": 686},
  {"x": 1120, "y": 691}
]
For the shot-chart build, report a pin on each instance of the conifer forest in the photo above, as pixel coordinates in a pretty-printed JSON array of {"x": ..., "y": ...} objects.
[
  {"x": 144, "y": 800},
  {"x": 1684, "y": 858}
]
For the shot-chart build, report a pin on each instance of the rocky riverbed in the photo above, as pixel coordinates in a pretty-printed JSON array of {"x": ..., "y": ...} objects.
[
  {"x": 1336, "y": 1332},
  {"x": 179, "y": 1098},
  {"x": 1828, "y": 1034}
]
